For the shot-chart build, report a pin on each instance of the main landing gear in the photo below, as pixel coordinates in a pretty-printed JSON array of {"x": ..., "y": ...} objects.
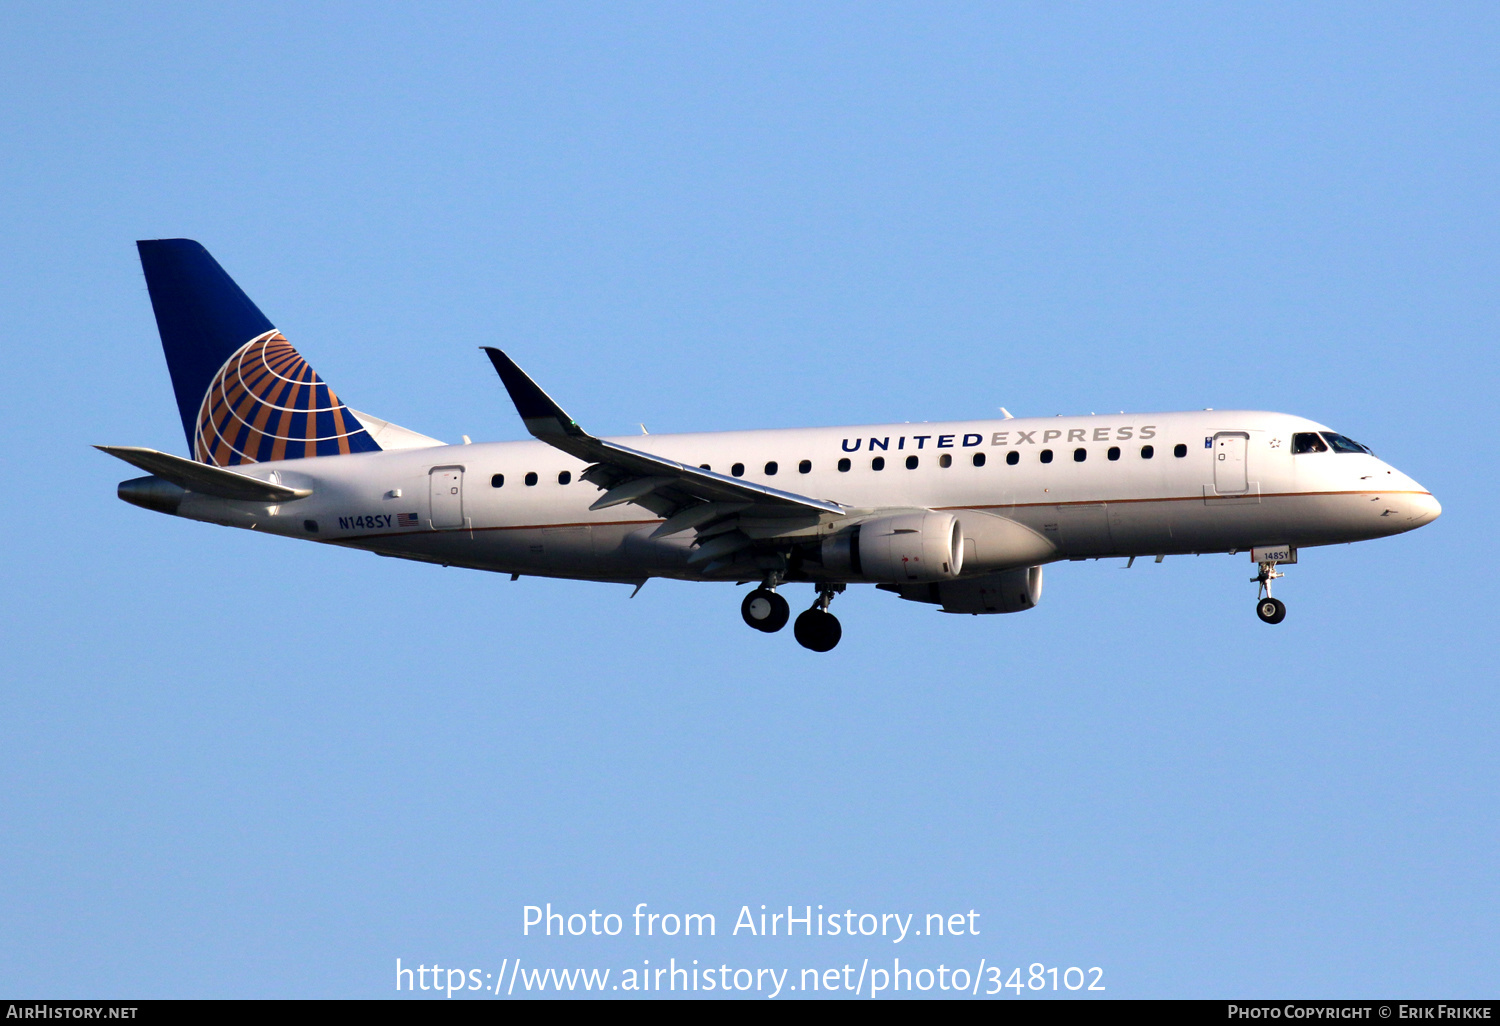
[
  {"x": 765, "y": 610},
  {"x": 1271, "y": 610},
  {"x": 816, "y": 628}
]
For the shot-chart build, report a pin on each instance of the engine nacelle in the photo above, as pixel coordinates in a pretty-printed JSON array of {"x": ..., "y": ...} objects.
[
  {"x": 1008, "y": 592},
  {"x": 898, "y": 549}
]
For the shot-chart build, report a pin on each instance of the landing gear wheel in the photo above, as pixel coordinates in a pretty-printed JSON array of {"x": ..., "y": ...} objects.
[
  {"x": 817, "y": 630},
  {"x": 765, "y": 610},
  {"x": 1267, "y": 608},
  {"x": 1271, "y": 610}
]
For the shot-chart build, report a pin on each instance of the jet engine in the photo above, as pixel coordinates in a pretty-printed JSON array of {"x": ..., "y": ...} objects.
[
  {"x": 1007, "y": 592},
  {"x": 897, "y": 549}
]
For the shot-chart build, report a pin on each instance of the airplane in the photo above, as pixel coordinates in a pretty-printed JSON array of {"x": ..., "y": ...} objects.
[{"x": 961, "y": 515}]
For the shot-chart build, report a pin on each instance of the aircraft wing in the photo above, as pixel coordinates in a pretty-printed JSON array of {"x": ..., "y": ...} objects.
[
  {"x": 690, "y": 497},
  {"x": 203, "y": 478}
]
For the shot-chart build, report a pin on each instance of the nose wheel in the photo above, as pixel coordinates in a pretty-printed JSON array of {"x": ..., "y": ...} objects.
[
  {"x": 1270, "y": 610},
  {"x": 817, "y": 628}
]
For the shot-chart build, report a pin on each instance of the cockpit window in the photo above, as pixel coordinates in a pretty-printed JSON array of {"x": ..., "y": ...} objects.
[
  {"x": 1307, "y": 441},
  {"x": 1342, "y": 443}
]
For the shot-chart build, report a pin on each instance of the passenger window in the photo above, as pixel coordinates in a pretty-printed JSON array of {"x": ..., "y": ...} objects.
[
  {"x": 1079, "y": 455},
  {"x": 1148, "y": 451},
  {"x": 979, "y": 459},
  {"x": 738, "y": 470},
  {"x": 805, "y": 467},
  {"x": 945, "y": 461},
  {"x": 1114, "y": 453},
  {"x": 1179, "y": 450},
  {"x": 911, "y": 463},
  {"x": 1011, "y": 458},
  {"x": 844, "y": 465},
  {"x": 1046, "y": 455},
  {"x": 497, "y": 480},
  {"x": 1343, "y": 443},
  {"x": 566, "y": 477},
  {"x": 771, "y": 469},
  {"x": 1307, "y": 441},
  {"x": 530, "y": 478},
  {"x": 878, "y": 463},
  {"x": 704, "y": 466}
]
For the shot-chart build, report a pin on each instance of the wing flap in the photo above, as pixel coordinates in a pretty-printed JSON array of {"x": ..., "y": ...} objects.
[{"x": 692, "y": 517}]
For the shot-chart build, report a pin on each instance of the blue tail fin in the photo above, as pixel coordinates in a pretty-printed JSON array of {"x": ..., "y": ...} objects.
[{"x": 245, "y": 395}]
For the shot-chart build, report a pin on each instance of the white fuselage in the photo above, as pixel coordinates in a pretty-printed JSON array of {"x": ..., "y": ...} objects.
[{"x": 1236, "y": 486}]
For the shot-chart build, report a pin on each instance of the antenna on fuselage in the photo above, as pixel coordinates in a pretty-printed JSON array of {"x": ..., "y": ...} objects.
[{"x": 1007, "y": 413}]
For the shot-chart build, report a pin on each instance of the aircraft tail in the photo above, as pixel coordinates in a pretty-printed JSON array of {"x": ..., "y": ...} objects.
[{"x": 245, "y": 395}]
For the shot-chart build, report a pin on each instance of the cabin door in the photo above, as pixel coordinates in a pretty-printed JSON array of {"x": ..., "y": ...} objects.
[
  {"x": 446, "y": 487},
  {"x": 1231, "y": 476}
]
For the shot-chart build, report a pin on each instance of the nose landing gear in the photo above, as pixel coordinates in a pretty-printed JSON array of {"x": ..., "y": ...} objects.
[
  {"x": 1270, "y": 610},
  {"x": 817, "y": 628}
]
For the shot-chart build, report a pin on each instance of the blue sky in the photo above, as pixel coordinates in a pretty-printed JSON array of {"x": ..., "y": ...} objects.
[{"x": 235, "y": 766}]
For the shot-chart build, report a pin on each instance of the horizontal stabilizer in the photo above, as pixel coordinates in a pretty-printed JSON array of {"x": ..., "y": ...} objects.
[{"x": 202, "y": 477}]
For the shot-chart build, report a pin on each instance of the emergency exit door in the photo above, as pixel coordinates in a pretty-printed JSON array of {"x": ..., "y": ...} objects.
[
  {"x": 446, "y": 488},
  {"x": 1230, "y": 473}
]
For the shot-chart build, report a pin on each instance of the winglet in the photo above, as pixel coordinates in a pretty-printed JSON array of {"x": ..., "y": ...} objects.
[
  {"x": 543, "y": 417},
  {"x": 548, "y": 423}
]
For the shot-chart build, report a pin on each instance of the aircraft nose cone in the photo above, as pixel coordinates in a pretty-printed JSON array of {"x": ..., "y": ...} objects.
[{"x": 1425, "y": 509}]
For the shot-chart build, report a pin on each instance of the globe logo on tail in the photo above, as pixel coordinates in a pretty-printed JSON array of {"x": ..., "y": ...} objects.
[{"x": 267, "y": 403}]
